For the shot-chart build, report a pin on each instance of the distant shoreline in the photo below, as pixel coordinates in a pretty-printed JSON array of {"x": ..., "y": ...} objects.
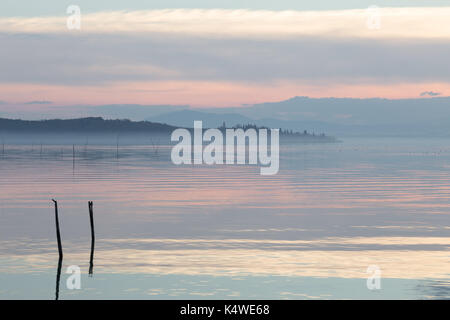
[{"x": 84, "y": 127}]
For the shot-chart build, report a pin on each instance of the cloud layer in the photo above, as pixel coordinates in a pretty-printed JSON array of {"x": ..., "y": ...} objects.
[
  {"x": 159, "y": 52},
  {"x": 94, "y": 59},
  {"x": 372, "y": 22}
]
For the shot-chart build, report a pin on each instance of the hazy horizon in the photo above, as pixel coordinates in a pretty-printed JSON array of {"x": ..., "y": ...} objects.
[{"x": 424, "y": 116}]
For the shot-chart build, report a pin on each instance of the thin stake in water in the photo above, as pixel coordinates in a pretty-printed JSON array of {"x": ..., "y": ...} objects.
[
  {"x": 58, "y": 233},
  {"x": 58, "y": 237},
  {"x": 117, "y": 147}
]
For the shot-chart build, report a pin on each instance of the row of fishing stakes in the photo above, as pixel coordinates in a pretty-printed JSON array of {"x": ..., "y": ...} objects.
[{"x": 60, "y": 251}]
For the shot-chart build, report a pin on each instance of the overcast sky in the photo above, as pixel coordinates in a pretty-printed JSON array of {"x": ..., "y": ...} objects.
[
  {"x": 222, "y": 53},
  {"x": 54, "y": 7}
]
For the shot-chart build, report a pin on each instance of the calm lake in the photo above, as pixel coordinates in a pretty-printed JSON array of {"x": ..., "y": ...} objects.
[{"x": 226, "y": 232}]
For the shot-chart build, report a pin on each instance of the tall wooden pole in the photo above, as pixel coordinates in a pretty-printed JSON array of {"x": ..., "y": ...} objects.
[
  {"x": 58, "y": 237},
  {"x": 58, "y": 233}
]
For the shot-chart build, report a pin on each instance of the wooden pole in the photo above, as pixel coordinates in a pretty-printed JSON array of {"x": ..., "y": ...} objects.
[
  {"x": 58, "y": 233},
  {"x": 117, "y": 147},
  {"x": 91, "y": 218},
  {"x": 58, "y": 237}
]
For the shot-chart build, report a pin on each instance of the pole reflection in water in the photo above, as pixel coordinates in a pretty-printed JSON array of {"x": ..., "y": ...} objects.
[
  {"x": 91, "y": 217},
  {"x": 58, "y": 277}
]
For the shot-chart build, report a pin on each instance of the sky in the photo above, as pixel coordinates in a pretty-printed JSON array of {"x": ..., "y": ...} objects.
[{"x": 208, "y": 53}]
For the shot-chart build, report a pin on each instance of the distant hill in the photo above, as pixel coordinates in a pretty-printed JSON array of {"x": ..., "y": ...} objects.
[
  {"x": 97, "y": 125},
  {"x": 83, "y": 125},
  {"x": 186, "y": 118},
  {"x": 361, "y": 117},
  {"x": 423, "y": 117},
  {"x": 343, "y": 117}
]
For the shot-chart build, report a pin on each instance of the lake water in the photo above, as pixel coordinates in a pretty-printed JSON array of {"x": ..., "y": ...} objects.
[{"x": 226, "y": 232}]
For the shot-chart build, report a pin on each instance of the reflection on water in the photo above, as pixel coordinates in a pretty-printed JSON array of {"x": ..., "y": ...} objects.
[
  {"x": 435, "y": 289},
  {"x": 91, "y": 220},
  {"x": 225, "y": 231},
  {"x": 58, "y": 277},
  {"x": 335, "y": 257}
]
